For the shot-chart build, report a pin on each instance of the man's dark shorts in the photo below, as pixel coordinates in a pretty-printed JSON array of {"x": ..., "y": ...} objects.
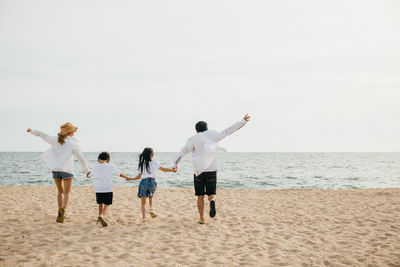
[{"x": 205, "y": 184}]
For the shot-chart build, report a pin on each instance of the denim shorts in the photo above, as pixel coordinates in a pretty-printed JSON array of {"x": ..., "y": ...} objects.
[
  {"x": 62, "y": 175},
  {"x": 147, "y": 187}
]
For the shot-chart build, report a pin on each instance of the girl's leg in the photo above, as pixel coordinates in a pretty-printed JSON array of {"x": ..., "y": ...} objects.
[
  {"x": 105, "y": 209},
  {"x": 143, "y": 200},
  {"x": 151, "y": 202},
  {"x": 152, "y": 213},
  {"x": 67, "y": 190},
  {"x": 60, "y": 190},
  {"x": 100, "y": 209}
]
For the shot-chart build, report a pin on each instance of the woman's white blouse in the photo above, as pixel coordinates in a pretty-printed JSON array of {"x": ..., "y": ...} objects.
[{"x": 59, "y": 157}]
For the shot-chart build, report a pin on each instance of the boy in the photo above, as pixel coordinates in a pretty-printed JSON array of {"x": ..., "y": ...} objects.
[{"x": 102, "y": 180}]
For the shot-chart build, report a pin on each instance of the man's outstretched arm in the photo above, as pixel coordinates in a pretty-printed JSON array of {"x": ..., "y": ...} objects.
[
  {"x": 230, "y": 130},
  {"x": 185, "y": 150}
]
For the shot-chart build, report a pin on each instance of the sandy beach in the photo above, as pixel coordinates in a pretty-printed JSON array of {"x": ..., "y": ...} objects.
[{"x": 268, "y": 228}]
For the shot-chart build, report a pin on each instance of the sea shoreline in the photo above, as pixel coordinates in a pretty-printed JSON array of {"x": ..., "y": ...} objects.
[{"x": 223, "y": 188}]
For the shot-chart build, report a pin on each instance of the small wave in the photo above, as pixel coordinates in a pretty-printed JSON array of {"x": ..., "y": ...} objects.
[
  {"x": 291, "y": 177},
  {"x": 179, "y": 184},
  {"x": 252, "y": 177},
  {"x": 350, "y": 187},
  {"x": 266, "y": 183},
  {"x": 352, "y": 178}
]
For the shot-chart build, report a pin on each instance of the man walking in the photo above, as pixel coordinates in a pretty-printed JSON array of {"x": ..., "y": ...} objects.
[{"x": 203, "y": 146}]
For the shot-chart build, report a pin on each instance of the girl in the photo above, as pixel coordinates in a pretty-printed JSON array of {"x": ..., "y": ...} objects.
[
  {"x": 147, "y": 174},
  {"x": 60, "y": 161}
]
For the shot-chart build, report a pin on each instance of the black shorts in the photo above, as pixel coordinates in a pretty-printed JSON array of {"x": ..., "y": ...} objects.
[
  {"x": 104, "y": 198},
  {"x": 205, "y": 184}
]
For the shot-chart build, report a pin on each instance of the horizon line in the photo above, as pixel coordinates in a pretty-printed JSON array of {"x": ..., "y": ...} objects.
[{"x": 39, "y": 151}]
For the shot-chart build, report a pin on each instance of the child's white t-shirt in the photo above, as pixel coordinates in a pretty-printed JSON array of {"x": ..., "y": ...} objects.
[
  {"x": 102, "y": 177},
  {"x": 153, "y": 167}
]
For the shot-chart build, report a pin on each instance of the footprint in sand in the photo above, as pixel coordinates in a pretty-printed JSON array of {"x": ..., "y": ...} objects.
[
  {"x": 95, "y": 248},
  {"x": 124, "y": 256}
]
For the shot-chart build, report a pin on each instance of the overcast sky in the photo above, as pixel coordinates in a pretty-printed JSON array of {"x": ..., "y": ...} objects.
[{"x": 314, "y": 75}]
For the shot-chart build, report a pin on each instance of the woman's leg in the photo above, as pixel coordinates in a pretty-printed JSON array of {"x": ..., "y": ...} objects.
[
  {"x": 67, "y": 190},
  {"x": 60, "y": 190},
  {"x": 143, "y": 200}
]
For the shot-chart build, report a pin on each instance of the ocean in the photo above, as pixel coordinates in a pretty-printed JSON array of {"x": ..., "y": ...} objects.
[{"x": 236, "y": 170}]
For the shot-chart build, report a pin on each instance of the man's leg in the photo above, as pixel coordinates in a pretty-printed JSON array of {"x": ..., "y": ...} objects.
[
  {"x": 213, "y": 211},
  {"x": 211, "y": 190},
  {"x": 199, "y": 189},
  {"x": 200, "y": 207}
]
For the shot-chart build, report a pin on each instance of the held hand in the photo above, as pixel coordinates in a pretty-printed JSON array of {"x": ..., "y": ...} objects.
[
  {"x": 246, "y": 117},
  {"x": 87, "y": 174},
  {"x": 29, "y": 130}
]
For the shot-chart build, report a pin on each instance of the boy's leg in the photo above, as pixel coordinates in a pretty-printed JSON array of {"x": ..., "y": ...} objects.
[
  {"x": 143, "y": 200},
  {"x": 105, "y": 209},
  {"x": 100, "y": 209},
  {"x": 67, "y": 190}
]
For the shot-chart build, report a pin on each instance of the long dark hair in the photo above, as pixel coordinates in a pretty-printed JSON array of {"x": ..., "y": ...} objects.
[{"x": 145, "y": 158}]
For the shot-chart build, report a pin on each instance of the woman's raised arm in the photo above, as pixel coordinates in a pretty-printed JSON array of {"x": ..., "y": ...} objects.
[{"x": 52, "y": 140}]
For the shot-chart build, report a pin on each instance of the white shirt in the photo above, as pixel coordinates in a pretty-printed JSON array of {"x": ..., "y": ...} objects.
[
  {"x": 59, "y": 157},
  {"x": 204, "y": 148},
  {"x": 153, "y": 167},
  {"x": 102, "y": 177}
]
